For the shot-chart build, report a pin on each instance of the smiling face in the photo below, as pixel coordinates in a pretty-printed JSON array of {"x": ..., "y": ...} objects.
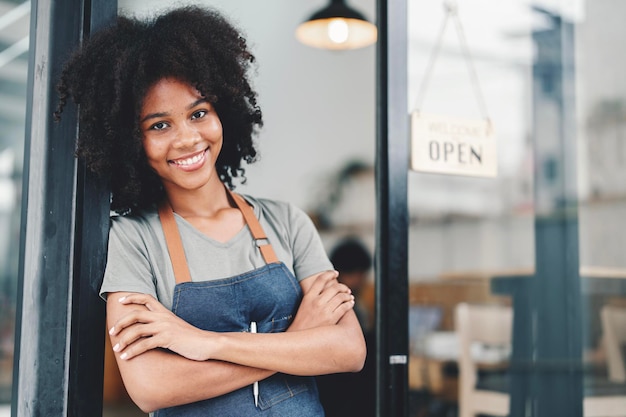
[{"x": 182, "y": 136}]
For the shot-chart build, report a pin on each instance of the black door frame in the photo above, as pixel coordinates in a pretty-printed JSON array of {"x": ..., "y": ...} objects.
[
  {"x": 392, "y": 225},
  {"x": 58, "y": 367}
]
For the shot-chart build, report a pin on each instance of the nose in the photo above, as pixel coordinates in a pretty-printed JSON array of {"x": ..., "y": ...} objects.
[{"x": 188, "y": 136}]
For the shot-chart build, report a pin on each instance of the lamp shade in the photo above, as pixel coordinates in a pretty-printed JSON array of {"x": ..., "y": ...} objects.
[{"x": 337, "y": 26}]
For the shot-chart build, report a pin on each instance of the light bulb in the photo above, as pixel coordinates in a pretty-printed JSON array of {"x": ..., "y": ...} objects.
[{"x": 338, "y": 30}]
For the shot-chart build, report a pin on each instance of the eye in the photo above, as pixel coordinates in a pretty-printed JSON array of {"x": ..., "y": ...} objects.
[
  {"x": 198, "y": 114},
  {"x": 159, "y": 126}
]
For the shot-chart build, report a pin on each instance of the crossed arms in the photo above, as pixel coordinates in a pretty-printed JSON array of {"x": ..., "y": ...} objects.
[{"x": 324, "y": 337}]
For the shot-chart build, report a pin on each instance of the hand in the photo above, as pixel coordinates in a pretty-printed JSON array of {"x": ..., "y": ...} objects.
[
  {"x": 155, "y": 326},
  {"x": 325, "y": 302}
]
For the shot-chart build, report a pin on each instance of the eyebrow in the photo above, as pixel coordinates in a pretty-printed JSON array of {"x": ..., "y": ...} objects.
[{"x": 163, "y": 114}]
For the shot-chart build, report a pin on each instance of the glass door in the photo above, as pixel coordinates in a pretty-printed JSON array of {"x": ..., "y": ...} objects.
[{"x": 516, "y": 276}]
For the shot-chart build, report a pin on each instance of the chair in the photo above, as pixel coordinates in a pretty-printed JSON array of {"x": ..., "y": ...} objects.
[
  {"x": 614, "y": 333},
  {"x": 608, "y": 398},
  {"x": 490, "y": 325}
]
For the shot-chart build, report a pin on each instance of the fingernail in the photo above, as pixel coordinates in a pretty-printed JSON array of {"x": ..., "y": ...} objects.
[
  {"x": 122, "y": 299},
  {"x": 123, "y": 355},
  {"x": 116, "y": 347},
  {"x": 112, "y": 330}
]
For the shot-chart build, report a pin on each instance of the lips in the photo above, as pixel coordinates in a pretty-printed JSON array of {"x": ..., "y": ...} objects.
[{"x": 190, "y": 162}]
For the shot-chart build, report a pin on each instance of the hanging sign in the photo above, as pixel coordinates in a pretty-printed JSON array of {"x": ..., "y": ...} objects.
[{"x": 448, "y": 145}]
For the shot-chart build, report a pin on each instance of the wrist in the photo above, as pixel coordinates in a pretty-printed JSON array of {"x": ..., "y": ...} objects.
[
  {"x": 205, "y": 346},
  {"x": 218, "y": 346}
]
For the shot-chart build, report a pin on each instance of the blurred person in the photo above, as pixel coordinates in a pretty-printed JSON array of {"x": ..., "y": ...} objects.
[
  {"x": 353, "y": 261},
  {"x": 343, "y": 394}
]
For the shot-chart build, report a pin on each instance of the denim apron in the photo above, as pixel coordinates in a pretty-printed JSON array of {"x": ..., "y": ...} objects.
[{"x": 269, "y": 296}]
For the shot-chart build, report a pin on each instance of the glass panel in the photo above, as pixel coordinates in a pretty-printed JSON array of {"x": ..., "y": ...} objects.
[
  {"x": 14, "y": 31},
  {"x": 466, "y": 230},
  {"x": 550, "y": 223},
  {"x": 601, "y": 122}
]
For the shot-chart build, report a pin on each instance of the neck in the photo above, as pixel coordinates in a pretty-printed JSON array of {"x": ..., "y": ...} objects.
[{"x": 203, "y": 202}]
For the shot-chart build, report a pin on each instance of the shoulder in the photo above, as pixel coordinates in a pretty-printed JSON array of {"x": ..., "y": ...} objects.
[
  {"x": 265, "y": 203},
  {"x": 141, "y": 223},
  {"x": 276, "y": 210}
]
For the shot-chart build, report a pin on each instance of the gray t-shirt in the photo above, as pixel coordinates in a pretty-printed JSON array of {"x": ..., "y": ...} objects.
[{"x": 138, "y": 259}]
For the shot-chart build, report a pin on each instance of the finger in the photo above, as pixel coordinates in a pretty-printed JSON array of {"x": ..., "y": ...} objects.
[
  {"x": 339, "y": 287},
  {"x": 130, "y": 319},
  {"x": 131, "y": 335},
  {"x": 146, "y": 300},
  {"x": 342, "y": 309},
  {"x": 155, "y": 330},
  {"x": 330, "y": 278},
  {"x": 327, "y": 276},
  {"x": 341, "y": 299},
  {"x": 332, "y": 291},
  {"x": 323, "y": 280},
  {"x": 333, "y": 284},
  {"x": 138, "y": 347},
  {"x": 331, "y": 281}
]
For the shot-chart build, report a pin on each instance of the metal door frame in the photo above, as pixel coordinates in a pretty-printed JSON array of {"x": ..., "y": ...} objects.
[{"x": 58, "y": 366}]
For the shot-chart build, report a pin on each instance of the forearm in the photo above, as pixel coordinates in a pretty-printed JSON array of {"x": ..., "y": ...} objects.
[
  {"x": 316, "y": 351},
  {"x": 325, "y": 337},
  {"x": 159, "y": 379}
]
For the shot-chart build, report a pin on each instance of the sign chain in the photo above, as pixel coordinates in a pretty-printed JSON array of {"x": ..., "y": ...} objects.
[{"x": 451, "y": 11}]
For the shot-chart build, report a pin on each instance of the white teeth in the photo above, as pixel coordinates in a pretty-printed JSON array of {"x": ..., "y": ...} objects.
[{"x": 189, "y": 161}]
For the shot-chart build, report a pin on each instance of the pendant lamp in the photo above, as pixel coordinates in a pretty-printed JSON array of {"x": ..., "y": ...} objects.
[{"x": 337, "y": 26}]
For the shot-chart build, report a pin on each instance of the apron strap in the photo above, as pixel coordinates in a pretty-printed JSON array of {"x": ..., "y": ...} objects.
[
  {"x": 260, "y": 238},
  {"x": 175, "y": 245}
]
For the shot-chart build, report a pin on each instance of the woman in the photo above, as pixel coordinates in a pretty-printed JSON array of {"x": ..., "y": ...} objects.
[{"x": 167, "y": 114}]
